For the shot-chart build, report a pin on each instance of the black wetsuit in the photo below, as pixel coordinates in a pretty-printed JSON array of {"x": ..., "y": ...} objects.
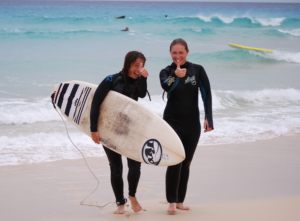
[
  {"x": 182, "y": 114},
  {"x": 116, "y": 83}
]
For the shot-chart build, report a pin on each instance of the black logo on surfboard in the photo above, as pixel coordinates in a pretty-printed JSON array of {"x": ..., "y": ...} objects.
[{"x": 152, "y": 152}]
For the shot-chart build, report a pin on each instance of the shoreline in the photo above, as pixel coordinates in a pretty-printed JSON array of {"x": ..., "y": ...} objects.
[{"x": 247, "y": 181}]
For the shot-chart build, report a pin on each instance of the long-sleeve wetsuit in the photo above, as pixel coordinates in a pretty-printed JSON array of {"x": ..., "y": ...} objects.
[
  {"x": 182, "y": 114},
  {"x": 116, "y": 83}
]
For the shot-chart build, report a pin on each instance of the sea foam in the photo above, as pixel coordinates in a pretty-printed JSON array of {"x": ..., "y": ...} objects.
[
  {"x": 239, "y": 116},
  {"x": 230, "y": 19},
  {"x": 293, "y": 57},
  {"x": 268, "y": 21},
  {"x": 21, "y": 111},
  {"x": 294, "y": 32},
  {"x": 46, "y": 147}
]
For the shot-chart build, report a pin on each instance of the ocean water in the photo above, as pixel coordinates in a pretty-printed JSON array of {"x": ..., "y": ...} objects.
[{"x": 256, "y": 95}]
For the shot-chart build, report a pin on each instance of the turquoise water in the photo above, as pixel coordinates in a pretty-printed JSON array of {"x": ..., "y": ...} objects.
[{"x": 256, "y": 95}]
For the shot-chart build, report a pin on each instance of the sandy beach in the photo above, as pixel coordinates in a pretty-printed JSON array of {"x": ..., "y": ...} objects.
[{"x": 248, "y": 181}]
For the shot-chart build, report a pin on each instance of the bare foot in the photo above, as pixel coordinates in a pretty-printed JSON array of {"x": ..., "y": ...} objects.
[
  {"x": 136, "y": 207},
  {"x": 172, "y": 208},
  {"x": 120, "y": 210},
  {"x": 182, "y": 207}
]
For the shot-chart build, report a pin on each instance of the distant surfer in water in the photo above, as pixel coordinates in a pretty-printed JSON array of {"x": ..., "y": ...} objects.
[
  {"x": 126, "y": 29},
  {"x": 131, "y": 82},
  {"x": 120, "y": 17},
  {"x": 183, "y": 80}
]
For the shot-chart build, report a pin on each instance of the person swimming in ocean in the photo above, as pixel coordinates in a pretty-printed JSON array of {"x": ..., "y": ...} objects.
[
  {"x": 120, "y": 17},
  {"x": 126, "y": 29}
]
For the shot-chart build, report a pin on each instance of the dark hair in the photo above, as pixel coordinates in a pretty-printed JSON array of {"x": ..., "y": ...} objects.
[
  {"x": 181, "y": 42},
  {"x": 130, "y": 58}
]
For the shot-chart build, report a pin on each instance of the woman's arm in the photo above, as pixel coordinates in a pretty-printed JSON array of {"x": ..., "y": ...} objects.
[
  {"x": 142, "y": 87},
  {"x": 205, "y": 90},
  {"x": 100, "y": 93},
  {"x": 167, "y": 78}
]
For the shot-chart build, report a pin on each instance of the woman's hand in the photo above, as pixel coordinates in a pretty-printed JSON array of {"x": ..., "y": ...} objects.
[
  {"x": 143, "y": 71},
  {"x": 207, "y": 128},
  {"x": 180, "y": 72},
  {"x": 95, "y": 137}
]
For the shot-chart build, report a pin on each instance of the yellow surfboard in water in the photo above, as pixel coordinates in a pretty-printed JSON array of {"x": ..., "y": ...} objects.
[{"x": 249, "y": 48}]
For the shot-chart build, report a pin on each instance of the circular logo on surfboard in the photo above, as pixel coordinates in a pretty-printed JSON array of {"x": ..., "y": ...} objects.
[{"x": 152, "y": 152}]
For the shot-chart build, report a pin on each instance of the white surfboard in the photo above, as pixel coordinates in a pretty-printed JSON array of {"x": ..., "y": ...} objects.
[{"x": 125, "y": 126}]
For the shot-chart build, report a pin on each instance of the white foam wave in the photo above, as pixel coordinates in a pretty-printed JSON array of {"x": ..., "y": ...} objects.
[
  {"x": 45, "y": 147},
  {"x": 224, "y": 19},
  {"x": 268, "y": 21},
  {"x": 204, "y": 18},
  {"x": 239, "y": 116},
  {"x": 228, "y": 99},
  {"x": 230, "y": 19},
  {"x": 295, "y": 32},
  {"x": 245, "y": 116},
  {"x": 279, "y": 56},
  {"x": 157, "y": 104},
  {"x": 20, "y": 111},
  {"x": 198, "y": 30},
  {"x": 254, "y": 115},
  {"x": 258, "y": 98},
  {"x": 249, "y": 128}
]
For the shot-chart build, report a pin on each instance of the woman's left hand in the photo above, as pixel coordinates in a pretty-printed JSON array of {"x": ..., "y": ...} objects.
[
  {"x": 143, "y": 71},
  {"x": 95, "y": 137},
  {"x": 207, "y": 128}
]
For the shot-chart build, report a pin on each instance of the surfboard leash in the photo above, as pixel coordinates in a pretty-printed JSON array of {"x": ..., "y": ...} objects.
[{"x": 82, "y": 202}]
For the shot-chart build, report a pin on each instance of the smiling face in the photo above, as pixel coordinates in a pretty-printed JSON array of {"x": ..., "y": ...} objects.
[
  {"x": 178, "y": 53},
  {"x": 135, "y": 67}
]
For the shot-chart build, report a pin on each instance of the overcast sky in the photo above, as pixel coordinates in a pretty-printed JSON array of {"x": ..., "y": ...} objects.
[
  {"x": 267, "y": 1},
  {"x": 277, "y": 1}
]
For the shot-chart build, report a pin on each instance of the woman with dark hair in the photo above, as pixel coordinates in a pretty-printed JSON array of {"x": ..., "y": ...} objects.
[
  {"x": 182, "y": 80},
  {"x": 131, "y": 82}
]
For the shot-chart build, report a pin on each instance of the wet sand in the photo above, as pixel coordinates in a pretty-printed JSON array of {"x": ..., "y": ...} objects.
[{"x": 248, "y": 181}]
